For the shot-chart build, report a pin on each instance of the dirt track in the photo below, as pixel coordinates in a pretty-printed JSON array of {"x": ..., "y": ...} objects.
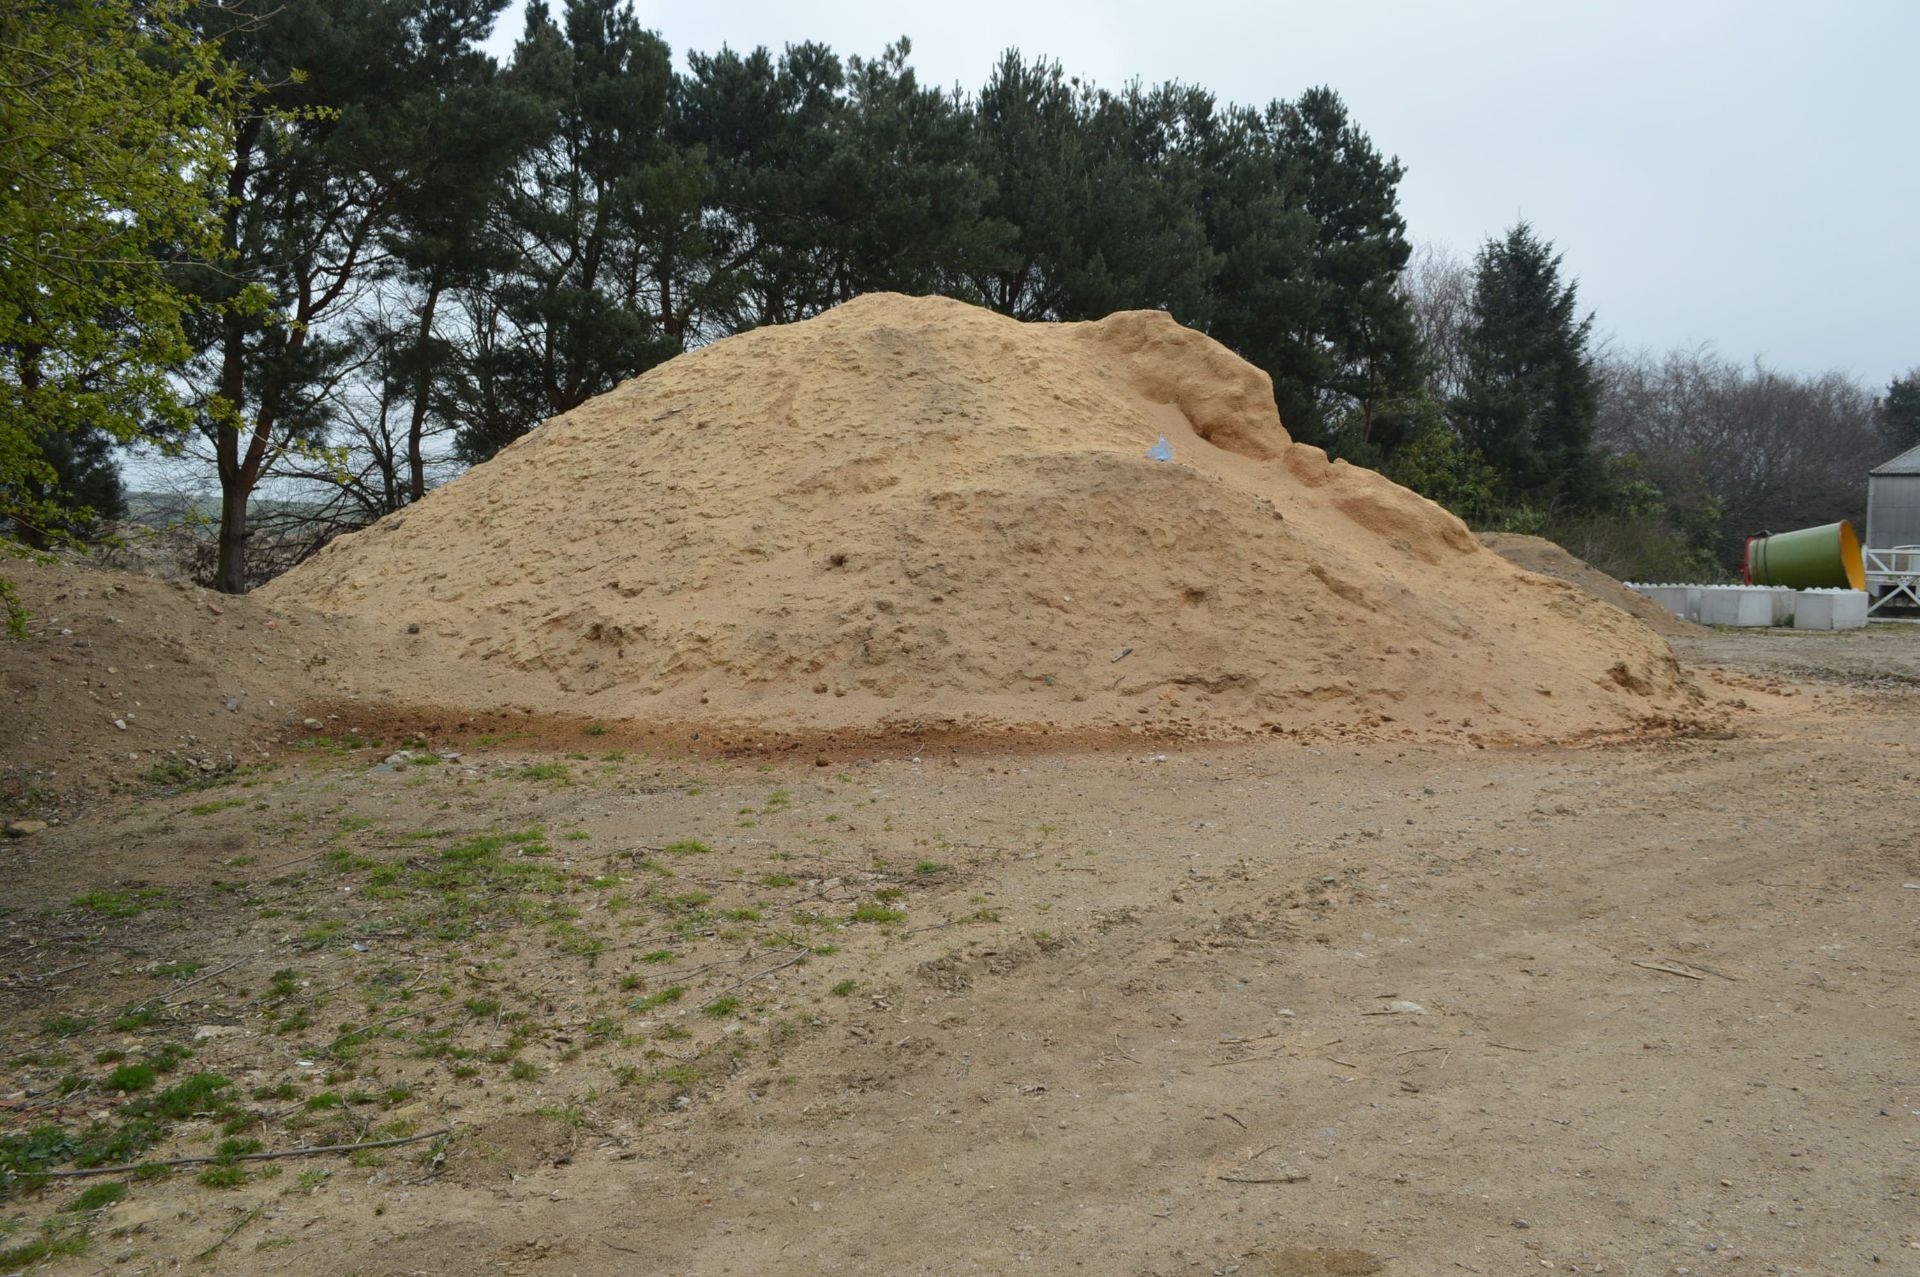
[{"x": 1267, "y": 1010}]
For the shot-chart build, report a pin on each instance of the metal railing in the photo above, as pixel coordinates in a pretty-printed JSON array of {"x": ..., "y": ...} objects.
[{"x": 1892, "y": 574}]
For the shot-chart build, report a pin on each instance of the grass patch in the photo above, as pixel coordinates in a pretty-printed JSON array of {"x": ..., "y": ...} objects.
[
  {"x": 98, "y": 1196},
  {"x": 664, "y": 997},
  {"x": 132, "y": 1077},
  {"x": 122, "y": 904},
  {"x": 687, "y": 847}
]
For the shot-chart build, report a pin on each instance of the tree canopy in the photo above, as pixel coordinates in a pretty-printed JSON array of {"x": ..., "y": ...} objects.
[
  {"x": 110, "y": 115},
  {"x": 335, "y": 243}
]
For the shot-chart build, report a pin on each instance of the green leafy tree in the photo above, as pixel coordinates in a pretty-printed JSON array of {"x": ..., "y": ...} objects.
[
  {"x": 109, "y": 115},
  {"x": 1530, "y": 397},
  {"x": 84, "y": 489},
  {"x": 1435, "y": 462}
]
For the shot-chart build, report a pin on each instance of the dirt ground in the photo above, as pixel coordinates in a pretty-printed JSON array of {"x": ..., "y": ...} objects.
[{"x": 1270, "y": 1009}]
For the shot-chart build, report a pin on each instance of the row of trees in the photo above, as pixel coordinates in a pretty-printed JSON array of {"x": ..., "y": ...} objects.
[
  {"x": 1654, "y": 466},
  {"x": 413, "y": 247},
  {"x": 364, "y": 252}
]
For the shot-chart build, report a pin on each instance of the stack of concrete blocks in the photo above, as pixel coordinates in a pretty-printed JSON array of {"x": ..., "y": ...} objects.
[
  {"x": 1756, "y": 606},
  {"x": 1683, "y": 600},
  {"x": 1736, "y": 606},
  {"x": 1831, "y": 610}
]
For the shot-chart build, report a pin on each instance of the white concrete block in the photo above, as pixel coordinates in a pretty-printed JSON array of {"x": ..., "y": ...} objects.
[
  {"x": 1671, "y": 597},
  {"x": 1739, "y": 606},
  {"x": 1830, "y": 610}
]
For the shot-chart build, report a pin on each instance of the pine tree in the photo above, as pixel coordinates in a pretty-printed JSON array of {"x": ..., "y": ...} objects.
[
  {"x": 576, "y": 312},
  {"x": 1900, "y": 411},
  {"x": 318, "y": 162},
  {"x": 1303, "y": 212},
  {"x": 1530, "y": 397}
]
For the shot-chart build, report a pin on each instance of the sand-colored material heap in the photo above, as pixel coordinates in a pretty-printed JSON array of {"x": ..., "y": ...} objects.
[
  {"x": 909, "y": 512},
  {"x": 1537, "y": 554}
]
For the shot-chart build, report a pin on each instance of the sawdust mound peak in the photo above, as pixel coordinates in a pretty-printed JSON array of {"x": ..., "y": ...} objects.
[{"x": 912, "y": 513}]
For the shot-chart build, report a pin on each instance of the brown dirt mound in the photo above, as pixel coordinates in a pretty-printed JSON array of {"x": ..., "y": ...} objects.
[
  {"x": 911, "y": 512},
  {"x": 125, "y": 677},
  {"x": 1537, "y": 554}
]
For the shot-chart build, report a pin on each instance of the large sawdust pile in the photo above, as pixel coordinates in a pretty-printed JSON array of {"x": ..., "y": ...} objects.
[{"x": 911, "y": 512}]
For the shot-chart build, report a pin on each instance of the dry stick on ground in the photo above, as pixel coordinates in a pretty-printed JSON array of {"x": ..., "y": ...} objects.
[
  {"x": 34, "y": 982},
  {"x": 167, "y": 998},
  {"x": 1669, "y": 969},
  {"x": 132, "y": 1168},
  {"x": 245, "y": 1219},
  {"x": 797, "y": 958},
  {"x": 377, "y": 1024},
  {"x": 1291, "y": 1177},
  {"x": 1504, "y": 1047}
]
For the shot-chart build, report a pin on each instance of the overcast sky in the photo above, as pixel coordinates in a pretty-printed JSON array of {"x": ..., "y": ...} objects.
[{"x": 1740, "y": 174}]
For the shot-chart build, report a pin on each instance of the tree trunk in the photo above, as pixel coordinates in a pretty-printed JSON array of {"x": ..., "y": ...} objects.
[
  {"x": 423, "y": 381},
  {"x": 230, "y": 577}
]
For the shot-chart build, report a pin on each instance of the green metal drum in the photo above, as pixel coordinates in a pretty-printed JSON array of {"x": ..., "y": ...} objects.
[{"x": 1822, "y": 558}]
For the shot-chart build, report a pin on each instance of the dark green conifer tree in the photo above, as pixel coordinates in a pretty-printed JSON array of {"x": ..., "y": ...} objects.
[{"x": 1530, "y": 398}]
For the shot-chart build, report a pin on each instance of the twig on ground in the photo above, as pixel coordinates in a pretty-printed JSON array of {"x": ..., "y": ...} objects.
[
  {"x": 1668, "y": 968},
  {"x": 32, "y": 982},
  {"x": 1291, "y": 1177},
  {"x": 802, "y": 956},
  {"x": 228, "y": 1236},
  {"x": 133, "y": 1167},
  {"x": 377, "y": 1024},
  {"x": 167, "y": 998},
  {"x": 1504, "y": 1047}
]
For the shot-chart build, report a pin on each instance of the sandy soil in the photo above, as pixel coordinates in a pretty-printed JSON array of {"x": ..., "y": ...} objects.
[{"x": 1278, "y": 1008}]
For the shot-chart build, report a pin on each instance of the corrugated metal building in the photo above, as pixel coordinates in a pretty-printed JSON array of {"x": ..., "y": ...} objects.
[{"x": 1893, "y": 502}]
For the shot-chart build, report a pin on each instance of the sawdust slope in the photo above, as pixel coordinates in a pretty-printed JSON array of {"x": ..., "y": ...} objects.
[
  {"x": 1537, "y": 554},
  {"x": 912, "y": 511}
]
